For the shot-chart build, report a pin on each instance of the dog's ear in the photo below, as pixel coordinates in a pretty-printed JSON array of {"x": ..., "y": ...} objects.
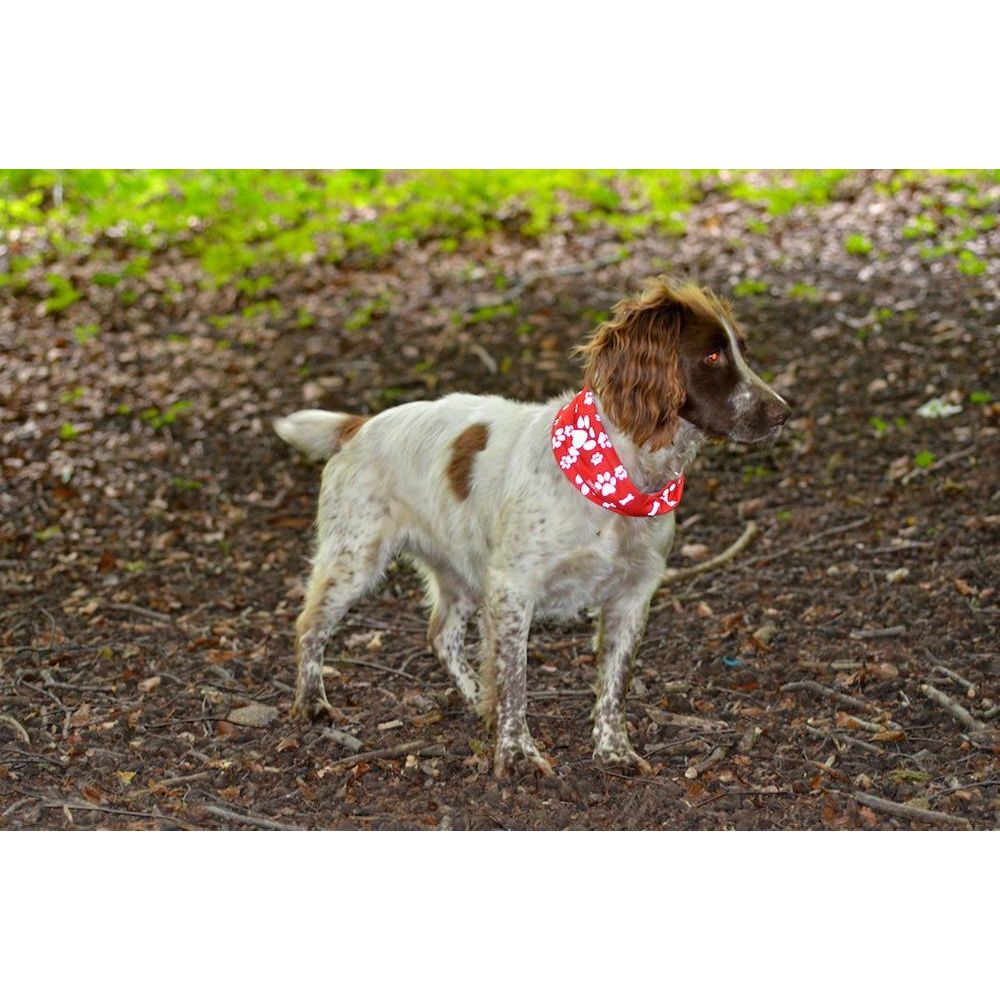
[{"x": 632, "y": 363}]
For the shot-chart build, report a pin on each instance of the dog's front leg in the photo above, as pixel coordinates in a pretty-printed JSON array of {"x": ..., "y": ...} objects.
[
  {"x": 623, "y": 622},
  {"x": 507, "y": 617}
]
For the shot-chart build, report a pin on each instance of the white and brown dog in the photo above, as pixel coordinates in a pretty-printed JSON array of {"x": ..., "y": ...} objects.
[{"x": 514, "y": 510}]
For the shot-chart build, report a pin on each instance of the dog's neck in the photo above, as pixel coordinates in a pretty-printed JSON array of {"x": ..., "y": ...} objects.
[{"x": 650, "y": 469}]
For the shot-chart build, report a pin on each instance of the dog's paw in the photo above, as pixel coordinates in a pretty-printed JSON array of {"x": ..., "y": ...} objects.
[
  {"x": 517, "y": 755},
  {"x": 621, "y": 757},
  {"x": 314, "y": 709}
]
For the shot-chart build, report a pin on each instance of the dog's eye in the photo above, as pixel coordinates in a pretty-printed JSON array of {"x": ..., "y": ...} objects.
[{"x": 714, "y": 358}]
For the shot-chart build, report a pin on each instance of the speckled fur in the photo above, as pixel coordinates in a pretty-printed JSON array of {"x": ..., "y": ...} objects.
[{"x": 518, "y": 543}]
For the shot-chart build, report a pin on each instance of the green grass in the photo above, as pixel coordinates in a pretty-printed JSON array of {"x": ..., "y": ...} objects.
[
  {"x": 245, "y": 226},
  {"x": 858, "y": 244}
]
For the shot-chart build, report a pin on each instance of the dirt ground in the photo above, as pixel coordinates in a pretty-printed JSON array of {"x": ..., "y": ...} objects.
[{"x": 151, "y": 569}]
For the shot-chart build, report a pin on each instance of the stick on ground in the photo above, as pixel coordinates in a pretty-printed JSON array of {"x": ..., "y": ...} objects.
[
  {"x": 247, "y": 819},
  {"x": 951, "y": 706},
  {"x": 910, "y": 812},
  {"x": 817, "y": 688},
  {"x": 749, "y": 532},
  {"x": 396, "y": 751},
  {"x": 11, "y": 723}
]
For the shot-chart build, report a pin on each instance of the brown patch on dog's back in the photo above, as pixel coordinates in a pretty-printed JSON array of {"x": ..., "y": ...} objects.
[
  {"x": 463, "y": 453},
  {"x": 350, "y": 427}
]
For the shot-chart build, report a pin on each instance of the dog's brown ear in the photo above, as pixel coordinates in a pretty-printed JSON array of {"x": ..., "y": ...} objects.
[{"x": 632, "y": 363}]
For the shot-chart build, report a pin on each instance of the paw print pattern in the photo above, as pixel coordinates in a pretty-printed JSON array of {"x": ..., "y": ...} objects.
[
  {"x": 587, "y": 457},
  {"x": 606, "y": 483}
]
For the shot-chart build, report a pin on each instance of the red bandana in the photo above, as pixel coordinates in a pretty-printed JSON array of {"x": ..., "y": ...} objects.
[{"x": 589, "y": 460}]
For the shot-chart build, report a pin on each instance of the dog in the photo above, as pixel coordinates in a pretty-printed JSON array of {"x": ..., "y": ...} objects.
[{"x": 514, "y": 510}]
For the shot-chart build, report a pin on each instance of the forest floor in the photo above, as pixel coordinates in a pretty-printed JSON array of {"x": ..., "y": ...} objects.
[{"x": 155, "y": 538}]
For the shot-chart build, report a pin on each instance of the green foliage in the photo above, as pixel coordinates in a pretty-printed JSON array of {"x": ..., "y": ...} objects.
[
  {"x": 68, "y": 432},
  {"x": 245, "y": 226},
  {"x": 969, "y": 264},
  {"x": 747, "y": 288},
  {"x": 979, "y": 397},
  {"x": 858, "y": 244},
  {"x": 921, "y": 226},
  {"x": 805, "y": 293},
  {"x": 923, "y": 459},
  {"x": 157, "y": 419},
  {"x": 63, "y": 293},
  {"x": 791, "y": 189}
]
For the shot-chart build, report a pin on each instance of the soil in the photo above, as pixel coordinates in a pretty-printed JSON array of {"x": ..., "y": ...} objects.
[{"x": 151, "y": 574}]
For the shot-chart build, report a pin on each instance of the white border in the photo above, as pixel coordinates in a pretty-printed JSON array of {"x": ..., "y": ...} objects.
[{"x": 543, "y": 84}]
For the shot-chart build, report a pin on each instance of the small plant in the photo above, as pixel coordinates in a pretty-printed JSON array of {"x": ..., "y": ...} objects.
[
  {"x": 879, "y": 425},
  {"x": 805, "y": 293},
  {"x": 979, "y": 397},
  {"x": 68, "y": 432},
  {"x": 749, "y": 287},
  {"x": 50, "y": 532},
  {"x": 969, "y": 264},
  {"x": 923, "y": 459},
  {"x": 920, "y": 227},
  {"x": 158, "y": 420},
  {"x": 85, "y": 334},
  {"x": 71, "y": 395},
  {"x": 858, "y": 244},
  {"x": 63, "y": 294}
]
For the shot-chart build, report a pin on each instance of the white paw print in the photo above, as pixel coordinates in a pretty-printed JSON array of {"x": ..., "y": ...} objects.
[
  {"x": 588, "y": 398},
  {"x": 565, "y": 462},
  {"x": 620, "y": 472},
  {"x": 606, "y": 483},
  {"x": 583, "y": 487},
  {"x": 603, "y": 441},
  {"x": 596, "y": 458},
  {"x": 559, "y": 437}
]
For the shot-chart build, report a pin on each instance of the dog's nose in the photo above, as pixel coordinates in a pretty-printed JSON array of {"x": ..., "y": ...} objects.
[{"x": 778, "y": 412}]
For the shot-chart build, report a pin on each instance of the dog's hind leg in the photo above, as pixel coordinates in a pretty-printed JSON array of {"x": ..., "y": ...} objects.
[
  {"x": 351, "y": 558},
  {"x": 451, "y": 608}
]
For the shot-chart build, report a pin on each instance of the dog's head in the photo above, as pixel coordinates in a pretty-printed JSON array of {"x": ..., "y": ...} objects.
[{"x": 676, "y": 351}]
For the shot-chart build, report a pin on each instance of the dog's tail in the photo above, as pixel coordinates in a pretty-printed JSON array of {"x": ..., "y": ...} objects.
[{"x": 318, "y": 433}]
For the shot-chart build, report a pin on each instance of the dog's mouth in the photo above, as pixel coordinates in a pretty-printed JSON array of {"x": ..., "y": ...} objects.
[{"x": 746, "y": 436}]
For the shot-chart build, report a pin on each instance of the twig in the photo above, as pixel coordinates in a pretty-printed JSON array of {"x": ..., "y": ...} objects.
[
  {"x": 705, "y": 763},
  {"x": 892, "y": 632},
  {"x": 396, "y": 751},
  {"x": 849, "y": 740},
  {"x": 910, "y": 812},
  {"x": 811, "y": 540},
  {"x": 749, "y": 532},
  {"x": 951, "y": 706},
  {"x": 183, "y": 779},
  {"x": 521, "y": 285},
  {"x": 145, "y": 612},
  {"x": 970, "y": 689},
  {"x": 961, "y": 788},
  {"x": 11, "y": 723},
  {"x": 89, "y": 807},
  {"x": 346, "y": 740},
  {"x": 816, "y": 688},
  {"x": 247, "y": 819},
  {"x": 374, "y": 666}
]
